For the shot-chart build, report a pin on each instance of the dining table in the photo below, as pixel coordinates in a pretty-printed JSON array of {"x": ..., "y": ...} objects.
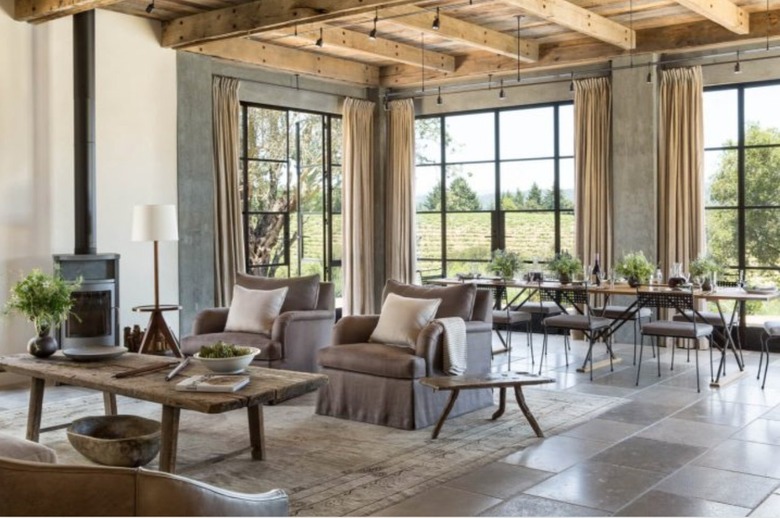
[{"x": 729, "y": 303}]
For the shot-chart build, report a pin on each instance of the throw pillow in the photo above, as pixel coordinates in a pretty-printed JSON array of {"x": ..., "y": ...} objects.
[
  {"x": 302, "y": 295},
  {"x": 402, "y": 319},
  {"x": 254, "y": 311},
  {"x": 457, "y": 300}
]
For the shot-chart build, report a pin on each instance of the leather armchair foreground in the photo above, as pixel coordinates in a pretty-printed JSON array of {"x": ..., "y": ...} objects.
[{"x": 30, "y": 488}]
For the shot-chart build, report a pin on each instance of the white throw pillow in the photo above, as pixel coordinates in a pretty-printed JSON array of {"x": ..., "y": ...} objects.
[
  {"x": 254, "y": 311},
  {"x": 402, "y": 319}
]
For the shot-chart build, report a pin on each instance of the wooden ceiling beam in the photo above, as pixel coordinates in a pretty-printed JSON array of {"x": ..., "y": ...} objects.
[
  {"x": 673, "y": 38},
  {"x": 262, "y": 15},
  {"x": 379, "y": 47},
  {"x": 723, "y": 12},
  {"x": 291, "y": 60},
  {"x": 576, "y": 18},
  {"x": 467, "y": 33},
  {"x": 37, "y": 11}
]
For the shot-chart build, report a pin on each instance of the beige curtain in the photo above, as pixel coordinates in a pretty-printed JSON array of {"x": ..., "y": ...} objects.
[
  {"x": 680, "y": 167},
  {"x": 399, "y": 213},
  {"x": 358, "y": 207},
  {"x": 228, "y": 228},
  {"x": 593, "y": 170}
]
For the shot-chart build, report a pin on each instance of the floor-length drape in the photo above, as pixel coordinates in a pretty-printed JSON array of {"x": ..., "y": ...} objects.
[
  {"x": 228, "y": 228},
  {"x": 680, "y": 167},
  {"x": 593, "y": 170},
  {"x": 399, "y": 212},
  {"x": 358, "y": 207}
]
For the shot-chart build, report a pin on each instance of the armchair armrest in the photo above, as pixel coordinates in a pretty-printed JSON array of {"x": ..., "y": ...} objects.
[
  {"x": 309, "y": 319},
  {"x": 354, "y": 329},
  {"x": 211, "y": 320},
  {"x": 429, "y": 346}
]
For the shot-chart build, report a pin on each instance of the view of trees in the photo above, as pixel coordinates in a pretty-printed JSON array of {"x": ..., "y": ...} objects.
[{"x": 461, "y": 197}]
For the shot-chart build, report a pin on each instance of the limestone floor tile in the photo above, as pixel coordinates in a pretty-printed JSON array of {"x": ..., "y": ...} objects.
[
  {"x": 604, "y": 430},
  {"x": 761, "y": 430},
  {"x": 658, "y": 503},
  {"x": 668, "y": 396},
  {"x": 683, "y": 431},
  {"x": 715, "y": 411},
  {"x": 602, "y": 390},
  {"x": 556, "y": 453},
  {"x": 750, "y": 393},
  {"x": 773, "y": 414},
  {"x": 626, "y": 378},
  {"x": 718, "y": 485},
  {"x": 649, "y": 454},
  {"x": 597, "y": 485},
  {"x": 527, "y": 505},
  {"x": 769, "y": 508},
  {"x": 441, "y": 501},
  {"x": 637, "y": 412},
  {"x": 745, "y": 457},
  {"x": 499, "y": 480}
]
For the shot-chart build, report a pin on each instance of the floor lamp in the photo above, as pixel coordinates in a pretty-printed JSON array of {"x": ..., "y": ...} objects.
[{"x": 156, "y": 223}]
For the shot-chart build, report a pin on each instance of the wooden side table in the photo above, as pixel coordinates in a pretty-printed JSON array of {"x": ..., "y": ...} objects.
[
  {"x": 158, "y": 326},
  {"x": 501, "y": 381}
]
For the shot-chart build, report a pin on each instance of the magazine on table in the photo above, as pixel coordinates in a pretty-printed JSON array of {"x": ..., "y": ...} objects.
[{"x": 213, "y": 383}]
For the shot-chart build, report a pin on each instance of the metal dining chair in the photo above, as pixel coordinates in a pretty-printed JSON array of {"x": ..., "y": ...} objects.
[
  {"x": 624, "y": 313},
  {"x": 771, "y": 332},
  {"x": 690, "y": 331},
  {"x": 593, "y": 327}
]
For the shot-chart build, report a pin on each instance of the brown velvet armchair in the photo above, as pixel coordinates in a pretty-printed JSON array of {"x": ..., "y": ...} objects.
[
  {"x": 304, "y": 325},
  {"x": 380, "y": 383}
]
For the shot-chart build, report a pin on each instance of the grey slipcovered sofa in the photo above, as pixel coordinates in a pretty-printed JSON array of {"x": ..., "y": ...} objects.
[
  {"x": 380, "y": 384},
  {"x": 304, "y": 325},
  {"x": 31, "y": 484}
]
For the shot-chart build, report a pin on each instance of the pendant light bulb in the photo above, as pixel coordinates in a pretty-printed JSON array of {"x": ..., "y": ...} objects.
[
  {"x": 439, "y": 100},
  {"x": 738, "y": 65},
  {"x": 436, "y": 23},
  {"x": 571, "y": 83},
  {"x": 501, "y": 93},
  {"x": 320, "y": 42},
  {"x": 372, "y": 34}
]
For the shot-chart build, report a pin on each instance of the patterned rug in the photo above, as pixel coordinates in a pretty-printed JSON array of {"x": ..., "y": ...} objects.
[{"x": 329, "y": 466}]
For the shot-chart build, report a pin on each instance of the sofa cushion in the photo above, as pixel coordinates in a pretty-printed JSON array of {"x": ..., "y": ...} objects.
[
  {"x": 456, "y": 300},
  {"x": 302, "y": 292},
  {"x": 386, "y": 361},
  {"x": 402, "y": 319},
  {"x": 254, "y": 311},
  {"x": 269, "y": 349},
  {"x": 21, "y": 449}
]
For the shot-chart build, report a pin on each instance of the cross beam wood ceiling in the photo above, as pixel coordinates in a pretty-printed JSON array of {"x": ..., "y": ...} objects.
[{"x": 473, "y": 38}]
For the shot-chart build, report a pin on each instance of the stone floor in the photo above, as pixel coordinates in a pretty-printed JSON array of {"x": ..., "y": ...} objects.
[{"x": 668, "y": 451}]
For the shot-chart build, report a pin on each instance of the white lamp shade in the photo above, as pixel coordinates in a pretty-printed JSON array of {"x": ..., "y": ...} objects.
[{"x": 155, "y": 223}]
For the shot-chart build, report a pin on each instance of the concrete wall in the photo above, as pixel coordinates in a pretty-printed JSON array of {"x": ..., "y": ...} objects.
[
  {"x": 135, "y": 148},
  {"x": 196, "y": 156}
]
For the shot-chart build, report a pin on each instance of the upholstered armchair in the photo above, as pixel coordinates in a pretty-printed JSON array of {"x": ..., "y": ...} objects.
[
  {"x": 380, "y": 383},
  {"x": 304, "y": 324},
  {"x": 32, "y": 484}
]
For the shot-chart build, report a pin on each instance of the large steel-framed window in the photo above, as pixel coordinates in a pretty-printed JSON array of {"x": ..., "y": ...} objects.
[
  {"x": 290, "y": 191},
  {"x": 494, "y": 179},
  {"x": 742, "y": 182}
]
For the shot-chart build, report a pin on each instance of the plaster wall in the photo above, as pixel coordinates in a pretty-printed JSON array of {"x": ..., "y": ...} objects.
[{"x": 135, "y": 148}]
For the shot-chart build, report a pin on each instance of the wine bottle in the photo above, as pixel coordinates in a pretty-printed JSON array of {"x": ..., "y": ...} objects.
[{"x": 596, "y": 271}]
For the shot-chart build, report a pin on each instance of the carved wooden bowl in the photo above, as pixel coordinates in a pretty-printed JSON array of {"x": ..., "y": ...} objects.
[{"x": 116, "y": 440}]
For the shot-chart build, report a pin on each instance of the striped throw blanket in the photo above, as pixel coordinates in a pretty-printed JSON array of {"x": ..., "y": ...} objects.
[{"x": 454, "y": 345}]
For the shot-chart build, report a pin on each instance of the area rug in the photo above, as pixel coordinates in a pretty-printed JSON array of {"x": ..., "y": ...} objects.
[{"x": 330, "y": 466}]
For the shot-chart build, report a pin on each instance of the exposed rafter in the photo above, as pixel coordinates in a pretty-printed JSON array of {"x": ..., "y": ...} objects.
[
  {"x": 262, "y": 15},
  {"x": 579, "y": 19},
  {"x": 290, "y": 60},
  {"x": 672, "y": 38},
  {"x": 722, "y": 12},
  {"x": 380, "y": 47},
  {"x": 36, "y": 11},
  {"x": 464, "y": 32}
]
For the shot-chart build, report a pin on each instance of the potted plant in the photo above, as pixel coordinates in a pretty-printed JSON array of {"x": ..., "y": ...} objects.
[
  {"x": 635, "y": 267},
  {"x": 504, "y": 264},
  {"x": 565, "y": 266},
  {"x": 45, "y": 300},
  {"x": 706, "y": 269}
]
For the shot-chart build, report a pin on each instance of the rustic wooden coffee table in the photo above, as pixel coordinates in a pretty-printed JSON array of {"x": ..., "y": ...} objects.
[
  {"x": 266, "y": 385},
  {"x": 516, "y": 380}
]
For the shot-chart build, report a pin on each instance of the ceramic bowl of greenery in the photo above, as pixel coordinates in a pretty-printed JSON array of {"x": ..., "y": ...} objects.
[{"x": 224, "y": 358}]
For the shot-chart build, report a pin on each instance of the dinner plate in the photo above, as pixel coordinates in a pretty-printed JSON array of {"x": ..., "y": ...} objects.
[
  {"x": 760, "y": 291},
  {"x": 91, "y": 353}
]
